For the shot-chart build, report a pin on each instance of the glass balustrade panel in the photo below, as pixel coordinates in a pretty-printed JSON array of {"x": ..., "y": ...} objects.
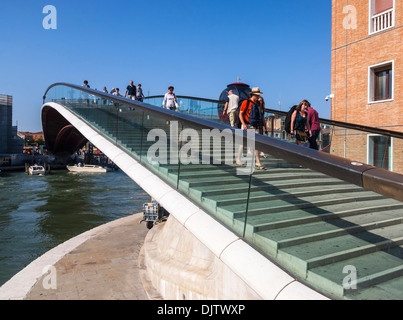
[{"x": 159, "y": 146}]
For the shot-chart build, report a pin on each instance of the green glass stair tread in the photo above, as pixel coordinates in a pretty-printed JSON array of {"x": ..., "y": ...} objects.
[
  {"x": 269, "y": 169},
  {"x": 267, "y": 192},
  {"x": 255, "y": 178},
  {"x": 226, "y": 195},
  {"x": 212, "y": 190},
  {"x": 301, "y": 265},
  {"x": 288, "y": 209},
  {"x": 209, "y": 172},
  {"x": 322, "y": 252},
  {"x": 332, "y": 204},
  {"x": 258, "y": 195},
  {"x": 194, "y": 170},
  {"x": 304, "y": 233},
  {"x": 387, "y": 290},
  {"x": 284, "y": 219},
  {"x": 374, "y": 271},
  {"x": 223, "y": 171},
  {"x": 274, "y": 205},
  {"x": 198, "y": 167}
]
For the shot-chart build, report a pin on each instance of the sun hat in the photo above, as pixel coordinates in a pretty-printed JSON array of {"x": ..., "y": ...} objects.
[{"x": 256, "y": 91}]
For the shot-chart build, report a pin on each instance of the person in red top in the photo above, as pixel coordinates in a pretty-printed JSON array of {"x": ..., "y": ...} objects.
[
  {"x": 244, "y": 114},
  {"x": 314, "y": 124}
]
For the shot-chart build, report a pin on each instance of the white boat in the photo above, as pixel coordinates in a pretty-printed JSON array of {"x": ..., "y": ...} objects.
[
  {"x": 87, "y": 168},
  {"x": 36, "y": 170}
]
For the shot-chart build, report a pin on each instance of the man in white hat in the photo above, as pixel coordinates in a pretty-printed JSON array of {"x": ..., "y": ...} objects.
[{"x": 251, "y": 117}]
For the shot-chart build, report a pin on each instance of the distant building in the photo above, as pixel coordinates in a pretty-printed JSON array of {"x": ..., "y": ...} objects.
[
  {"x": 10, "y": 144},
  {"x": 367, "y": 79},
  {"x": 9, "y": 141},
  {"x": 6, "y": 112},
  {"x": 31, "y": 135}
]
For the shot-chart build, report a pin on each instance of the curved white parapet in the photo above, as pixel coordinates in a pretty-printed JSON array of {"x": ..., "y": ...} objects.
[{"x": 259, "y": 273}]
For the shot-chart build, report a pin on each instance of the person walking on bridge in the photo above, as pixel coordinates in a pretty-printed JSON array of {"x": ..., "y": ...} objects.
[
  {"x": 170, "y": 100},
  {"x": 299, "y": 124},
  {"x": 314, "y": 124},
  {"x": 116, "y": 93},
  {"x": 130, "y": 91},
  {"x": 251, "y": 118},
  {"x": 139, "y": 93},
  {"x": 231, "y": 108}
]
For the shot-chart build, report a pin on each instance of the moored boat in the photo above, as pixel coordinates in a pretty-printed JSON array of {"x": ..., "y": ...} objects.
[
  {"x": 36, "y": 170},
  {"x": 90, "y": 168}
]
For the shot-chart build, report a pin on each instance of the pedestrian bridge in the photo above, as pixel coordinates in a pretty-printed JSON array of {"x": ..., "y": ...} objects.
[{"x": 311, "y": 225}]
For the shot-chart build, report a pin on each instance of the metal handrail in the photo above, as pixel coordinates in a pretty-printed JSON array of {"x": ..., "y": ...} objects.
[
  {"x": 345, "y": 125},
  {"x": 188, "y": 97},
  {"x": 372, "y": 178}
]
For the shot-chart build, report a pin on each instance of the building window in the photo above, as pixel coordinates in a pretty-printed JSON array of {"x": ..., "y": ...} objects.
[
  {"x": 381, "y": 82},
  {"x": 381, "y": 15},
  {"x": 380, "y": 151}
]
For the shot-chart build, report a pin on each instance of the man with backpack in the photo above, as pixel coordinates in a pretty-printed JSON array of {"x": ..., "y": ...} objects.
[{"x": 251, "y": 116}]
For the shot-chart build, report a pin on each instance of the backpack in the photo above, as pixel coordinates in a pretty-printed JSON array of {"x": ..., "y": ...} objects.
[
  {"x": 255, "y": 116},
  {"x": 287, "y": 122}
]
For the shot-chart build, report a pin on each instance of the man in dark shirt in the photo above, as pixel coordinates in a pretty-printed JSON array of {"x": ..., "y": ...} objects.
[
  {"x": 313, "y": 120},
  {"x": 131, "y": 91}
]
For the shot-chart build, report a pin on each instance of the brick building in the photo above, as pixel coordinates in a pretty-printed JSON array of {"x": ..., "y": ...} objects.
[
  {"x": 31, "y": 135},
  {"x": 367, "y": 79}
]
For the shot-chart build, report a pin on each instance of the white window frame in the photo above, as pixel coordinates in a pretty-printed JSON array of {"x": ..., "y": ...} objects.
[
  {"x": 372, "y": 14},
  {"x": 391, "y": 150},
  {"x": 371, "y": 79}
]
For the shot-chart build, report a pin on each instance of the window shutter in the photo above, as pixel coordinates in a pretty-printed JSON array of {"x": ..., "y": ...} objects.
[{"x": 383, "y": 5}]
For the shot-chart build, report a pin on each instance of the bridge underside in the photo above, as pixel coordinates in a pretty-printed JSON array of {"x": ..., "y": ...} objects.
[{"x": 62, "y": 138}]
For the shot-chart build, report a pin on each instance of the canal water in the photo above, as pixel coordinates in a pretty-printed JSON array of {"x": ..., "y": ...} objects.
[{"x": 37, "y": 213}]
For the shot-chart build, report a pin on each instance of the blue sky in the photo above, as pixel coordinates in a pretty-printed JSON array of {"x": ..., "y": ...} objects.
[{"x": 283, "y": 47}]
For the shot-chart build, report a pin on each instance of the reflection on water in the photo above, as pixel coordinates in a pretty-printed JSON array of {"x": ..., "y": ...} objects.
[{"x": 38, "y": 213}]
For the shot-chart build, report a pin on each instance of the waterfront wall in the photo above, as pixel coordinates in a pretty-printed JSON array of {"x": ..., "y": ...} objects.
[
  {"x": 182, "y": 268},
  {"x": 17, "y": 161}
]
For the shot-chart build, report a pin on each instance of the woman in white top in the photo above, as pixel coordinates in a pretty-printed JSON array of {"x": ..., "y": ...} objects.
[{"x": 169, "y": 99}]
